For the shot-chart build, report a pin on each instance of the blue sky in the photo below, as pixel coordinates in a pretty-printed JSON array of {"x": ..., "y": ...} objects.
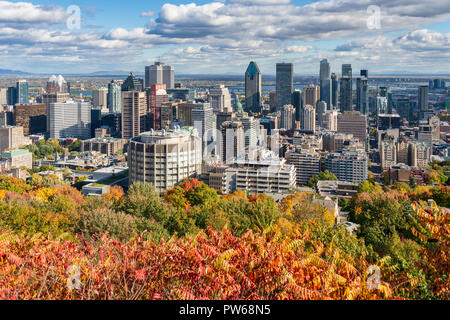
[{"x": 222, "y": 36}]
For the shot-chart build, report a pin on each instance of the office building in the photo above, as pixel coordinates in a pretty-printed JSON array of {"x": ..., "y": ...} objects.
[
  {"x": 346, "y": 95},
  {"x": 132, "y": 84},
  {"x": 114, "y": 98},
  {"x": 335, "y": 89},
  {"x": 3, "y": 96},
  {"x": 423, "y": 98},
  {"x": 100, "y": 98},
  {"x": 56, "y": 84},
  {"x": 326, "y": 94},
  {"x": 405, "y": 110},
  {"x": 134, "y": 113},
  {"x": 71, "y": 119},
  {"x": 156, "y": 97},
  {"x": 22, "y": 92},
  {"x": 287, "y": 117},
  {"x": 329, "y": 120},
  {"x": 220, "y": 99},
  {"x": 284, "y": 84},
  {"x": 388, "y": 153},
  {"x": 311, "y": 95},
  {"x": 49, "y": 98},
  {"x": 353, "y": 123},
  {"x": 253, "y": 91},
  {"x": 159, "y": 73},
  {"x": 233, "y": 141},
  {"x": 164, "y": 158},
  {"x": 33, "y": 118},
  {"x": 309, "y": 119},
  {"x": 362, "y": 95},
  {"x": 204, "y": 121},
  {"x": 297, "y": 103},
  {"x": 386, "y": 92}
]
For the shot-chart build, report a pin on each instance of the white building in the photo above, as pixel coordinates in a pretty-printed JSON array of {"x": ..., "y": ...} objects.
[
  {"x": 165, "y": 158},
  {"x": 71, "y": 119},
  {"x": 329, "y": 120},
  {"x": 18, "y": 158},
  {"x": 287, "y": 117},
  {"x": 309, "y": 118},
  {"x": 220, "y": 99}
]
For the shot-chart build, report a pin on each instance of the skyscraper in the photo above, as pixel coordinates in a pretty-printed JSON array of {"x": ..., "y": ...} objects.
[
  {"x": 311, "y": 95},
  {"x": 99, "y": 98},
  {"x": 71, "y": 119},
  {"x": 405, "y": 109},
  {"x": 285, "y": 84},
  {"x": 22, "y": 92},
  {"x": 386, "y": 92},
  {"x": 134, "y": 113},
  {"x": 220, "y": 99},
  {"x": 287, "y": 117},
  {"x": 309, "y": 119},
  {"x": 233, "y": 141},
  {"x": 424, "y": 99},
  {"x": 114, "y": 97},
  {"x": 132, "y": 84},
  {"x": 346, "y": 99},
  {"x": 156, "y": 98},
  {"x": 362, "y": 93},
  {"x": 159, "y": 73},
  {"x": 353, "y": 123},
  {"x": 325, "y": 83},
  {"x": 253, "y": 90},
  {"x": 297, "y": 103},
  {"x": 335, "y": 90},
  {"x": 204, "y": 121}
]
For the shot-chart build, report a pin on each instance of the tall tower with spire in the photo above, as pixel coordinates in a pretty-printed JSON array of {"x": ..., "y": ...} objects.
[{"x": 253, "y": 79}]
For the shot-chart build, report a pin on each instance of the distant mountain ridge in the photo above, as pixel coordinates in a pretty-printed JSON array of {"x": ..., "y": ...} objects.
[{"x": 12, "y": 72}]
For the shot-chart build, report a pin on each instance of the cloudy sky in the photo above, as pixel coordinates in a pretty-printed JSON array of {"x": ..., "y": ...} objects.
[{"x": 222, "y": 36}]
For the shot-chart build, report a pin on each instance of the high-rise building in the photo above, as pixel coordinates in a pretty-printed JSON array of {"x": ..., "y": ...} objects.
[
  {"x": 159, "y": 73},
  {"x": 287, "y": 117},
  {"x": 253, "y": 91},
  {"x": 251, "y": 130},
  {"x": 329, "y": 120},
  {"x": 156, "y": 97},
  {"x": 164, "y": 158},
  {"x": 3, "y": 96},
  {"x": 311, "y": 95},
  {"x": 48, "y": 98},
  {"x": 309, "y": 119},
  {"x": 285, "y": 84},
  {"x": 320, "y": 111},
  {"x": 297, "y": 103},
  {"x": 204, "y": 121},
  {"x": 346, "y": 96},
  {"x": 424, "y": 99},
  {"x": 134, "y": 113},
  {"x": 435, "y": 123},
  {"x": 33, "y": 118},
  {"x": 70, "y": 119},
  {"x": 388, "y": 153},
  {"x": 114, "y": 99},
  {"x": 353, "y": 123},
  {"x": 22, "y": 92},
  {"x": 386, "y": 92},
  {"x": 12, "y": 96},
  {"x": 405, "y": 110},
  {"x": 233, "y": 141},
  {"x": 420, "y": 154},
  {"x": 335, "y": 90},
  {"x": 132, "y": 84},
  {"x": 326, "y": 94},
  {"x": 362, "y": 94},
  {"x": 100, "y": 98},
  {"x": 56, "y": 84},
  {"x": 306, "y": 162},
  {"x": 348, "y": 166},
  {"x": 220, "y": 99}
]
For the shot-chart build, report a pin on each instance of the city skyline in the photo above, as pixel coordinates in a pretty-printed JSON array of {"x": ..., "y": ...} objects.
[{"x": 42, "y": 37}]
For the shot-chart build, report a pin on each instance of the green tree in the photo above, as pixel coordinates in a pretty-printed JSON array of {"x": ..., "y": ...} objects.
[{"x": 323, "y": 176}]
